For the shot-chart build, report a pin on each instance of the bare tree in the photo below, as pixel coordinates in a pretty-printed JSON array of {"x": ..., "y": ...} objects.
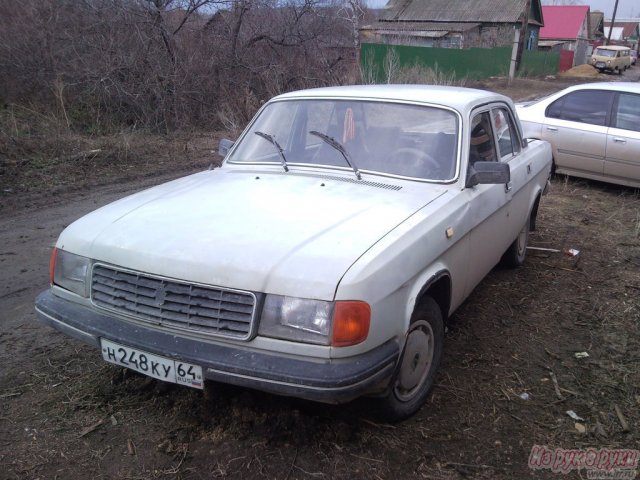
[
  {"x": 167, "y": 64},
  {"x": 353, "y": 11},
  {"x": 391, "y": 66}
]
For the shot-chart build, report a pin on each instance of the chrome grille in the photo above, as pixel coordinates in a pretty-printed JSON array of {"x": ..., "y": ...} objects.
[{"x": 173, "y": 304}]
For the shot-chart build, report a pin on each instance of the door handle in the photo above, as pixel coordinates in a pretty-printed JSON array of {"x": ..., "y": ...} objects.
[
  {"x": 619, "y": 140},
  {"x": 529, "y": 169},
  {"x": 553, "y": 129}
]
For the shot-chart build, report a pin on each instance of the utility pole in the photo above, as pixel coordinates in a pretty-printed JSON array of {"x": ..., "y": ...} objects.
[
  {"x": 613, "y": 21},
  {"x": 514, "y": 55},
  {"x": 523, "y": 33}
]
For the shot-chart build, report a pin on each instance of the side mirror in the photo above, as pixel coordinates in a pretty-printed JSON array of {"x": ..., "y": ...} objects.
[
  {"x": 488, "y": 173},
  {"x": 224, "y": 146}
]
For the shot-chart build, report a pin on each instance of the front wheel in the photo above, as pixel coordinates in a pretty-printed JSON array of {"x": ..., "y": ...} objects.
[
  {"x": 517, "y": 251},
  {"x": 418, "y": 366}
]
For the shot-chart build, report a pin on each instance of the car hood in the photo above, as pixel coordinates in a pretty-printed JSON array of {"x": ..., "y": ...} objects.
[{"x": 290, "y": 234}]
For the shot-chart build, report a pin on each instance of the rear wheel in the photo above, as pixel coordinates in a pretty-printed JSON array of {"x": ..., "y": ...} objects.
[
  {"x": 418, "y": 366},
  {"x": 517, "y": 251}
]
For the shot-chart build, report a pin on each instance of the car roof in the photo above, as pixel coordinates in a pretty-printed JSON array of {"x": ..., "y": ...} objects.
[
  {"x": 617, "y": 86},
  {"x": 459, "y": 98},
  {"x": 613, "y": 47}
]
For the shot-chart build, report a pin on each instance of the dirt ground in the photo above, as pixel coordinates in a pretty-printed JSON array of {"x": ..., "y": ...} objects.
[{"x": 64, "y": 413}]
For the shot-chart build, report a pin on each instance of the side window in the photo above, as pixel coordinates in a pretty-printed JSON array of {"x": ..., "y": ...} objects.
[
  {"x": 506, "y": 133},
  {"x": 482, "y": 146},
  {"x": 627, "y": 113},
  {"x": 555, "y": 109},
  {"x": 585, "y": 106}
]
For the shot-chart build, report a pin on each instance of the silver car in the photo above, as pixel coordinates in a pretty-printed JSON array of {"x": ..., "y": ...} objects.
[{"x": 594, "y": 130}]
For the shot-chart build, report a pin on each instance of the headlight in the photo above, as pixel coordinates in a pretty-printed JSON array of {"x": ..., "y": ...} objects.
[
  {"x": 339, "y": 324},
  {"x": 296, "y": 319},
  {"x": 70, "y": 271}
]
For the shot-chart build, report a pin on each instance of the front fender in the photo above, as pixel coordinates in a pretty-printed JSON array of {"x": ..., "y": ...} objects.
[{"x": 431, "y": 279}]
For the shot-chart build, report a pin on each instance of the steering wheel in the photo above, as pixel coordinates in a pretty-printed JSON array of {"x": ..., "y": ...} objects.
[{"x": 415, "y": 162}]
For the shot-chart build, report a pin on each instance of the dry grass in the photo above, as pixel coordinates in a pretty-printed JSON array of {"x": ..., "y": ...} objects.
[
  {"x": 40, "y": 156},
  {"x": 518, "y": 333},
  {"x": 65, "y": 413}
]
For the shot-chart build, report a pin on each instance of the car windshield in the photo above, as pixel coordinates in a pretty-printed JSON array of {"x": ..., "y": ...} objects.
[
  {"x": 603, "y": 52},
  {"x": 377, "y": 137}
]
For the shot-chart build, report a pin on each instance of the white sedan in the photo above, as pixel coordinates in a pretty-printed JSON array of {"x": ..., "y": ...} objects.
[
  {"x": 594, "y": 130},
  {"x": 322, "y": 259}
]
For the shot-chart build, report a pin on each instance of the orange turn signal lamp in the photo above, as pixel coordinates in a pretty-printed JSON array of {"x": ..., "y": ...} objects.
[
  {"x": 351, "y": 321},
  {"x": 52, "y": 264}
]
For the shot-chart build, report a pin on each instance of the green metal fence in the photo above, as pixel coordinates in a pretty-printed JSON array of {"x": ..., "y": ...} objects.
[{"x": 472, "y": 63}]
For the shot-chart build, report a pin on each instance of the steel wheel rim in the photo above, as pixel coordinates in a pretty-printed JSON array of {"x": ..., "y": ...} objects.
[
  {"x": 522, "y": 241},
  {"x": 416, "y": 361}
]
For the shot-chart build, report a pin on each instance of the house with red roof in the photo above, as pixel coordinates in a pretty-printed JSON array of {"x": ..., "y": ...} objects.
[
  {"x": 625, "y": 32},
  {"x": 566, "y": 29}
]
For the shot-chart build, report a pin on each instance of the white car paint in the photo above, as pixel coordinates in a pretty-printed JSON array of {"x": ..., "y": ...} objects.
[
  {"x": 234, "y": 227},
  {"x": 597, "y": 152},
  {"x": 316, "y": 232}
]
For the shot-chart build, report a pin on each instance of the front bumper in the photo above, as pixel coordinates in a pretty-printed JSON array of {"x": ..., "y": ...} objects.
[{"x": 323, "y": 380}]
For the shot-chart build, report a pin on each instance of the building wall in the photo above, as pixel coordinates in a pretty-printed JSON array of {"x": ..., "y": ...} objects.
[
  {"x": 584, "y": 29},
  {"x": 500, "y": 35},
  {"x": 485, "y": 36},
  {"x": 454, "y": 40},
  {"x": 582, "y": 52}
]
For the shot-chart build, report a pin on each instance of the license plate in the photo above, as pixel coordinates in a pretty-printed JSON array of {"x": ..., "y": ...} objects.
[
  {"x": 152, "y": 365},
  {"x": 600, "y": 65}
]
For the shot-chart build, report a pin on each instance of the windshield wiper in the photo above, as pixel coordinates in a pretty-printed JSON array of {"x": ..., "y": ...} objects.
[
  {"x": 338, "y": 146},
  {"x": 275, "y": 143}
]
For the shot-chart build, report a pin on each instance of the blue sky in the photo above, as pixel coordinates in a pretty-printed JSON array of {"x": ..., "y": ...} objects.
[{"x": 626, "y": 8}]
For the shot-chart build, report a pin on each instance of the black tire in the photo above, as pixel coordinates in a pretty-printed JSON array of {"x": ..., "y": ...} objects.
[
  {"x": 515, "y": 255},
  {"x": 417, "y": 368}
]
